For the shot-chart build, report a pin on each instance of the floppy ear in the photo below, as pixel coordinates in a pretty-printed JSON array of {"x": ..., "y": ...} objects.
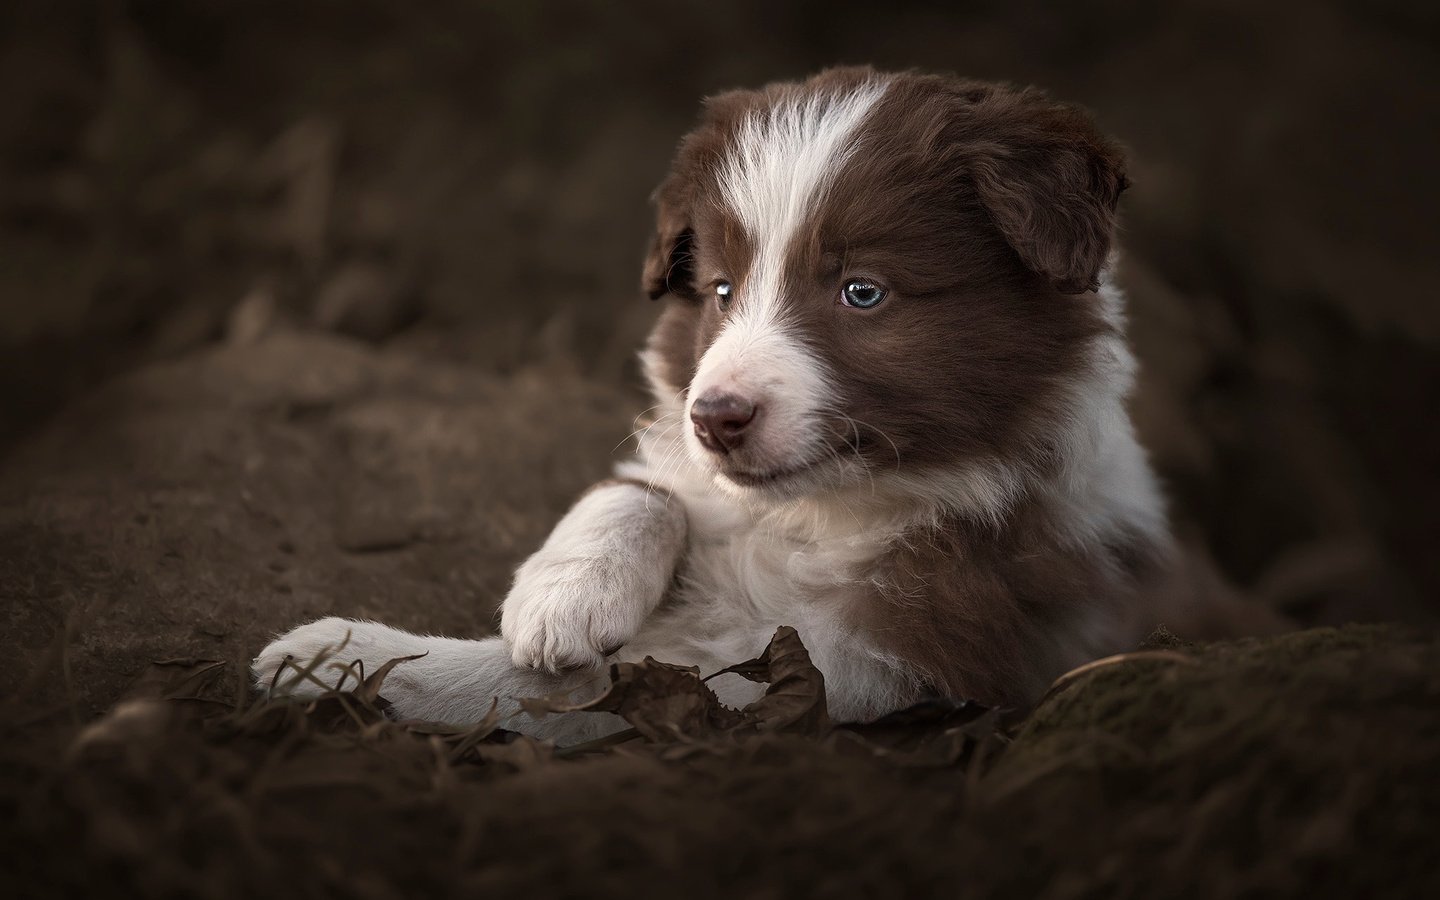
[
  {"x": 1051, "y": 182},
  {"x": 668, "y": 264}
]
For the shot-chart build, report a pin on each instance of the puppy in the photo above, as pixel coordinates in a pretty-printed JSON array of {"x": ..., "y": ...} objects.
[{"x": 890, "y": 375}]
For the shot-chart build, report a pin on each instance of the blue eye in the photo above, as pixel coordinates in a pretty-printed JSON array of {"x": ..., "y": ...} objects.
[
  {"x": 724, "y": 291},
  {"x": 862, "y": 293}
]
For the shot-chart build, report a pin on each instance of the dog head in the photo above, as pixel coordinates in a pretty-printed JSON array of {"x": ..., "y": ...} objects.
[{"x": 872, "y": 275}]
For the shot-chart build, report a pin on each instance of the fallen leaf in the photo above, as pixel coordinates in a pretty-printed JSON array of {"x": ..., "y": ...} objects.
[
  {"x": 663, "y": 702},
  {"x": 794, "y": 701}
]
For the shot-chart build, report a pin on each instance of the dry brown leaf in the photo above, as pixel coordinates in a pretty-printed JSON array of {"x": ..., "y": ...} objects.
[
  {"x": 663, "y": 702},
  {"x": 369, "y": 689},
  {"x": 794, "y": 701}
]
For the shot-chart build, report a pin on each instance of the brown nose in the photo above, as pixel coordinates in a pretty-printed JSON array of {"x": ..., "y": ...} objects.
[{"x": 721, "y": 419}]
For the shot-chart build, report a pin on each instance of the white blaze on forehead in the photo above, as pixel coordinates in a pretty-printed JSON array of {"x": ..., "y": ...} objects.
[
  {"x": 783, "y": 161},
  {"x": 780, "y": 166}
]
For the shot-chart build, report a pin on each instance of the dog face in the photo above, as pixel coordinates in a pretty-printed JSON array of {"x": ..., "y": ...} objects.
[{"x": 876, "y": 275}]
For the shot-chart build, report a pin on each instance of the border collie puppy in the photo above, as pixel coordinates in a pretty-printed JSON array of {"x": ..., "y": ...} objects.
[{"x": 891, "y": 378}]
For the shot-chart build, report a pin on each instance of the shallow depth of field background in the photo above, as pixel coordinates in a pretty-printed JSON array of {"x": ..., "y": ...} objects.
[{"x": 469, "y": 181}]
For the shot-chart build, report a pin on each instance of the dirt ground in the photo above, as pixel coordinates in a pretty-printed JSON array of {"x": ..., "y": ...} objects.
[
  {"x": 283, "y": 288},
  {"x": 1294, "y": 766}
]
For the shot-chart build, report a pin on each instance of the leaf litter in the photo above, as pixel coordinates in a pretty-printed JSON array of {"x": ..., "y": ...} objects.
[{"x": 1270, "y": 765}]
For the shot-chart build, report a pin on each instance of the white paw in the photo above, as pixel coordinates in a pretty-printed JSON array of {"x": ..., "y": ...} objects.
[
  {"x": 336, "y": 644},
  {"x": 588, "y": 590},
  {"x": 565, "y": 614}
]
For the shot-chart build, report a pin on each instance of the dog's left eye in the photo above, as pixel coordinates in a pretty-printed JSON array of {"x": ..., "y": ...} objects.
[
  {"x": 862, "y": 293},
  {"x": 724, "y": 292}
]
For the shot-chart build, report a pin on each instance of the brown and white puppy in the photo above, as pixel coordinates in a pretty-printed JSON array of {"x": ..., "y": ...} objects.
[{"x": 891, "y": 379}]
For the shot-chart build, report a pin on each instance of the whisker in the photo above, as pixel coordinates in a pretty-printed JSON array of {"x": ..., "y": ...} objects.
[
  {"x": 641, "y": 432},
  {"x": 893, "y": 447},
  {"x": 838, "y": 497},
  {"x": 669, "y": 457},
  {"x": 859, "y": 458}
]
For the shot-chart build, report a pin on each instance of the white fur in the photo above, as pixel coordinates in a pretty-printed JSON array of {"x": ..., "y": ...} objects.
[
  {"x": 1106, "y": 483},
  {"x": 764, "y": 362},
  {"x": 742, "y": 581},
  {"x": 783, "y": 162},
  {"x": 454, "y": 681},
  {"x": 587, "y": 591}
]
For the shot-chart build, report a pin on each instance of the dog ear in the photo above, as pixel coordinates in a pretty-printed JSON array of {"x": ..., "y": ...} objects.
[
  {"x": 1050, "y": 182},
  {"x": 668, "y": 264}
]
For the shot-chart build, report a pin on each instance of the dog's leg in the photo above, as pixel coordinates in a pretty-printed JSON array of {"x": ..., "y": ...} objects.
[
  {"x": 602, "y": 571},
  {"x": 455, "y": 681}
]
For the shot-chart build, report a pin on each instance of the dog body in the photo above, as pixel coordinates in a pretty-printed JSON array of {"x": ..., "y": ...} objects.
[{"x": 890, "y": 377}]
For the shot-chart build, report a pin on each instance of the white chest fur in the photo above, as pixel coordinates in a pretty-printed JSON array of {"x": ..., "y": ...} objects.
[{"x": 746, "y": 572}]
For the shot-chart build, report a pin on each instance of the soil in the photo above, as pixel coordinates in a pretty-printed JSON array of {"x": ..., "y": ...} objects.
[{"x": 1302, "y": 765}]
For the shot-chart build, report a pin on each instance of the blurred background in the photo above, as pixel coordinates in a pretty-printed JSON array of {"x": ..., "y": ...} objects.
[{"x": 469, "y": 181}]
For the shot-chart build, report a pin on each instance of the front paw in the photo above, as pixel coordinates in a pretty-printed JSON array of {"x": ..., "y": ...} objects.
[
  {"x": 569, "y": 614},
  {"x": 327, "y": 649}
]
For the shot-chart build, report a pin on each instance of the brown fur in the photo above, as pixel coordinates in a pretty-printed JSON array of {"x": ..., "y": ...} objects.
[
  {"x": 987, "y": 329},
  {"x": 990, "y": 613},
  {"x": 983, "y": 210}
]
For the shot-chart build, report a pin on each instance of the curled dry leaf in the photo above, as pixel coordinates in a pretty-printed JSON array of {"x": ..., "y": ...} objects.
[
  {"x": 663, "y": 702},
  {"x": 369, "y": 689},
  {"x": 667, "y": 703},
  {"x": 794, "y": 701}
]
